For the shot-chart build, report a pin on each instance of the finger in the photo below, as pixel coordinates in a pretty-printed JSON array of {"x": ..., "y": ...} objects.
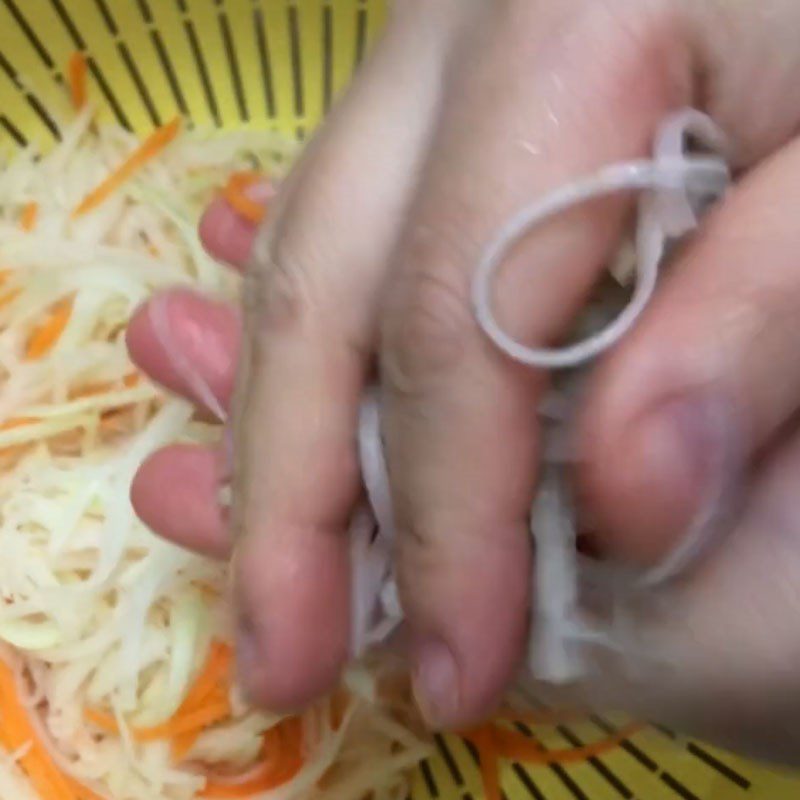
[
  {"x": 205, "y": 334},
  {"x": 199, "y": 332},
  {"x": 708, "y": 378},
  {"x": 710, "y": 664},
  {"x": 461, "y": 433},
  {"x": 189, "y": 513},
  {"x": 227, "y": 236},
  {"x": 309, "y": 307}
]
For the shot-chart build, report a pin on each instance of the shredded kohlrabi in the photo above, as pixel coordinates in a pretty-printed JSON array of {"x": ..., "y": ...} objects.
[{"x": 96, "y": 613}]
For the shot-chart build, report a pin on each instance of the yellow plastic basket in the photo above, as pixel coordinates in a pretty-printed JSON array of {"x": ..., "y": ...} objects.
[{"x": 278, "y": 64}]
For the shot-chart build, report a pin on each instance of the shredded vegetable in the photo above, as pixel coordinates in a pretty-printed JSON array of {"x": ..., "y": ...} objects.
[
  {"x": 496, "y": 742},
  {"x": 30, "y": 213},
  {"x": 235, "y": 192},
  {"x": 77, "y": 79},
  {"x": 148, "y": 150},
  {"x": 116, "y": 677}
]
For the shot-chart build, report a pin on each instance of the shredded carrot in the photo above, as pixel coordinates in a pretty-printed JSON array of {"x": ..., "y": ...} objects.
[
  {"x": 207, "y": 589},
  {"x": 83, "y": 792},
  {"x": 518, "y": 747},
  {"x": 235, "y": 193},
  {"x": 183, "y": 743},
  {"x": 215, "y": 710},
  {"x": 8, "y": 297},
  {"x": 489, "y": 764},
  {"x": 102, "y": 719},
  {"x": 17, "y": 422},
  {"x": 211, "y": 677},
  {"x": 44, "y": 338},
  {"x": 92, "y": 389},
  {"x": 147, "y": 150},
  {"x": 283, "y": 758},
  {"x": 30, "y": 213},
  {"x": 205, "y": 704},
  {"x": 214, "y": 672},
  {"x": 494, "y": 743},
  {"x": 17, "y": 731},
  {"x": 77, "y": 79}
]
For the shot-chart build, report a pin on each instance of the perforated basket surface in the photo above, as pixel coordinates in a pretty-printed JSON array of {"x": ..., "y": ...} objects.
[{"x": 279, "y": 64}]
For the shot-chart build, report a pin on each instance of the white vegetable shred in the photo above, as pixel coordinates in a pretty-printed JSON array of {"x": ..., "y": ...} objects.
[{"x": 108, "y": 630}]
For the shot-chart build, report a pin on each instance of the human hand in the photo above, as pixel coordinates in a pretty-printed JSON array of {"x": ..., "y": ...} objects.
[{"x": 465, "y": 112}]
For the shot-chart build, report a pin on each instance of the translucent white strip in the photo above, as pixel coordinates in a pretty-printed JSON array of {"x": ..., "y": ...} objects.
[{"x": 667, "y": 174}]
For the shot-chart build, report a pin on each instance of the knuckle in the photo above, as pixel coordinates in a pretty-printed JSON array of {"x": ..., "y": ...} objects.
[
  {"x": 279, "y": 293},
  {"x": 426, "y": 331},
  {"x": 419, "y": 556}
]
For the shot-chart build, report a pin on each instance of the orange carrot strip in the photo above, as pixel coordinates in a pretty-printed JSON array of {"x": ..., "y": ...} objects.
[
  {"x": 17, "y": 422},
  {"x": 518, "y": 747},
  {"x": 30, "y": 213},
  {"x": 489, "y": 763},
  {"x": 83, "y": 792},
  {"x": 17, "y": 731},
  {"x": 183, "y": 743},
  {"x": 44, "y": 337},
  {"x": 92, "y": 389},
  {"x": 283, "y": 758},
  {"x": 77, "y": 79},
  {"x": 235, "y": 194},
  {"x": 9, "y": 297},
  {"x": 215, "y": 670},
  {"x": 205, "y": 704},
  {"x": 493, "y": 743},
  {"x": 102, "y": 719},
  {"x": 147, "y": 150},
  {"x": 216, "y": 710}
]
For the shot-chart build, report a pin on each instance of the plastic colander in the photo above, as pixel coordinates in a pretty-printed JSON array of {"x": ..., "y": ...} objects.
[{"x": 278, "y": 64}]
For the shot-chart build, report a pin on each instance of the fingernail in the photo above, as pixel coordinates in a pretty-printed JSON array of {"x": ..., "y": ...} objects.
[
  {"x": 689, "y": 451},
  {"x": 259, "y": 191},
  {"x": 435, "y": 681}
]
